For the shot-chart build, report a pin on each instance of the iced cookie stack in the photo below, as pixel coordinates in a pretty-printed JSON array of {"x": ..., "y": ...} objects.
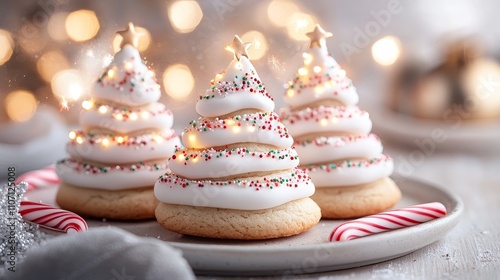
[
  {"x": 333, "y": 139},
  {"x": 237, "y": 177},
  {"x": 125, "y": 142}
]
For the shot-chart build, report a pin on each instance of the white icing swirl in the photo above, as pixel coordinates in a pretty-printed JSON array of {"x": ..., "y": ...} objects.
[
  {"x": 263, "y": 128},
  {"x": 112, "y": 177},
  {"x": 123, "y": 120},
  {"x": 329, "y": 149},
  {"x": 350, "y": 172},
  {"x": 145, "y": 147},
  {"x": 320, "y": 78},
  {"x": 238, "y": 87},
  {"x": 327, "y": 119},
  {"x": 210, "y": 164},
  {"x": 127, "y": 80},
  {"x": 246, "y": 194}
]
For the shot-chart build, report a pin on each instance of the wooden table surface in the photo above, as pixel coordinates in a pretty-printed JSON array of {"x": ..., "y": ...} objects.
[{"x": 472, "y": 249}]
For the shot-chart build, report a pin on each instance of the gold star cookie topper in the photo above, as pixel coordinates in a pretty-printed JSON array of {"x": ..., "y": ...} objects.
[
  {"x": 238, "y": 48},
  {"x": 318, "y": 36},
  {"x": 130, "y": 36}
]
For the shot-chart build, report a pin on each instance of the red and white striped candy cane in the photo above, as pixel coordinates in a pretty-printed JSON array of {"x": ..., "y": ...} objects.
[
  {"x": 52, "y": 218},
  {"x": 386, "y": 221},
  {"x": 41, "y": 178}
]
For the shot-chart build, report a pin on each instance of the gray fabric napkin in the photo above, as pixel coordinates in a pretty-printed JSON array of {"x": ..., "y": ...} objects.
[{"x": 103, "y": 253}]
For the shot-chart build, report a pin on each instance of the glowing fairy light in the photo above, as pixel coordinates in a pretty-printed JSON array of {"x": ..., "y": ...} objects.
[
  {"x": 302, "y": 71},
  {"x": 218, "y": 77},
  {"x": 251, "y": 129},
  {"x": 334, "y": 120},
  {"x": 192, "y": 138},
  {"x": 119, "y": 117},
  {"x": 157, "y": 138},
  {"x": 237, "y": 66},
  {"x": 195, "y": 160},
  {"x": 307, "y": 58},
  {"x": 145, "y": 115},
  {"x": 87, "y": 104},
  {"x": 128, "y": 66},
  {"x": 319, "y": 90},
  {"x": 120, "y": 139},
  {"x": 132, "y": 116},
  {"x": 328, "y": 84},
  {"x": 111, "y": 73},
  {"x": 72, "y": 135},
  {"x": 290, "y": 93},
  {"x": 236, "y": 129},
  {"x": 229, "y": 122},
  {"x": 323, "y": 122},
  {"x": 181, "y": 157},
  {"x": 341, "y": 73},
  {"x": 105, "y": 142},
  {"x": 103, "y": 109},
  {"x": 79, "y": 139},
  {"x": 317, "y": 69}
]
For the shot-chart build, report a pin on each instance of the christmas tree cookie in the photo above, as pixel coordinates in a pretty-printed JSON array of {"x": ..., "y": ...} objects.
[
  {"x": 333, "y": 139},
  {"x": 237, "y": 177},
  {"x": 124, "y": 145}
]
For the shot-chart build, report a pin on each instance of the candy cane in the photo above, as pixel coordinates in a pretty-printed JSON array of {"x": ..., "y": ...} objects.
[
  {"x": 386, "y": 221},
  {"x": 41, "y": 178},
  {"x": 52, "y": 218}
]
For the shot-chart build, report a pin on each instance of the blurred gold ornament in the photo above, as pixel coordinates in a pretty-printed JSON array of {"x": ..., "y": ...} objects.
[{"x": 465, "y": 86}]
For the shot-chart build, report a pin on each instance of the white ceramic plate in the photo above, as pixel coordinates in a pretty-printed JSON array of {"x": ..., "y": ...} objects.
[
  {"x": 306, "y": 253},
  {"x": 425, "y": 135}
]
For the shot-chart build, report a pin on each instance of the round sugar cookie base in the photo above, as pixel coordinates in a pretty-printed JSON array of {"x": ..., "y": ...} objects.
[
  {"x": 129, "y": 204},
  {"x": 288, "y": 219},
  {"x": 357, "y": 201}
]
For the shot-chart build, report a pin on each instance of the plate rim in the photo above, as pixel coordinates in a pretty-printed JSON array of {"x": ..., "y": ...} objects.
[
  {"x": 276, "y": 259},
  {"x": 451, "y": 216}
]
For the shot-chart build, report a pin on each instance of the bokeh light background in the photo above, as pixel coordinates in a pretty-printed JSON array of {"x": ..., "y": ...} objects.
[{"x": 51, "y": 51}]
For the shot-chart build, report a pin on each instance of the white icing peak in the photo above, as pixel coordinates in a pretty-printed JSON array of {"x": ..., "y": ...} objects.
[
  {"x": 127, "y": 80},
  {"x": 320, "y": 78},
  {"x": 238, "y": 87}
]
